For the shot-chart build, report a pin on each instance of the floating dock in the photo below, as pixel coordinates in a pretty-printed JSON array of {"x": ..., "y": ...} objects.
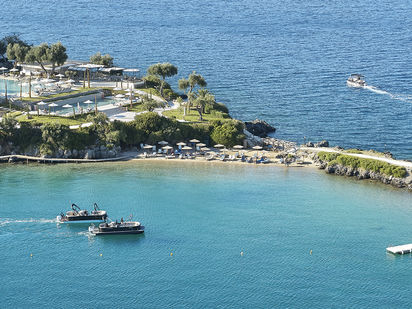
[{"x": 404, "y": 249}]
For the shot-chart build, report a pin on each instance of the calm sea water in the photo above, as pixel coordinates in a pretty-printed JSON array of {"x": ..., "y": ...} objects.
[
  {"x": 286, "y": 62},
  {"x": 206, "y": 216}
]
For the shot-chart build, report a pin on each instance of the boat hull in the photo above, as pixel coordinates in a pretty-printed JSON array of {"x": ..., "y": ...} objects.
[
  {"x": 60, "y": 221},
  {"x": 97, "y": 233},
  {"x": 356, "y": 85}
]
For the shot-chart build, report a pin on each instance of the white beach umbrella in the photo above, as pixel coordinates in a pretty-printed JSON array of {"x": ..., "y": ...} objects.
[
  {"x": 3, "y": 69},
  {"x": 41, "y": 103},
  {"x": 47, "y": 80},
  {"x": 200, "y": 145},
  {"x": 181, "y": 144},
  {"x": 219, "y": 146},
  {"x": 53, "y": 105},
  {"x": 88, "y": 102},
  {"x": 257, "y": 147},
  {"x": 238, "y": 147},
  {"x": 163, "y": 143},
  {"x": 194, "y": 141},
  {"x": 70, "y": 106},
  {"x": 14, "y": 70},
  {"x": 60, "y": 75},
  {"x": 120, "y": 96},
  {"x": 147, "y": 146},
  {"x": 187, "y": 148},
  {"x": 205, "y": 149}
]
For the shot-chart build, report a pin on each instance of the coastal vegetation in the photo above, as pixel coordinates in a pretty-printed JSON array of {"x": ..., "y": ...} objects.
[
  {"x": 146, "y": 128},
  {"x": 105, "y": 60},
  {"x": 362, "y": 163},
  {"x": 159, "y": 72},
  {"x": 54, "y": 54}
]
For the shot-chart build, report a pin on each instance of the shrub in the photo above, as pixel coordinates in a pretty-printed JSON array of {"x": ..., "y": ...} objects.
[
  {"x": 228, "y": 132},
  {"x": 366, "y": 164}
]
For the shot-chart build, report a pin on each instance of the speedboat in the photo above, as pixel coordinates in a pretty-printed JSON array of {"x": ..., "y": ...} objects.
[
  {"x": 356, "y": 80},
  {"x": 77, "y": 215},
  {"x": 119, "y": 228}
]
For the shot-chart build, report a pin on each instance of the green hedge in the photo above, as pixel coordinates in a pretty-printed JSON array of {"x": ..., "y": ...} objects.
[{"x": 366, "y": 164}]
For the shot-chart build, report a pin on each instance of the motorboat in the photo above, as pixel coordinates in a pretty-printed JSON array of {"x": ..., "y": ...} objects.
[
  {"x": 356, "y": 80},
  {"x": 117, "y": 228},
  {"x": 77, "y": 215}
]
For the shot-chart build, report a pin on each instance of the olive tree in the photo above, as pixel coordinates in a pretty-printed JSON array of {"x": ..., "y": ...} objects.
[
  {"x": 57, "y": 55},
  {"x": 162, "y": 70},
  {"x": 17, "y": 52},
  {"x": 105, "y": 60},
  {"x": 39, "y": 54}
]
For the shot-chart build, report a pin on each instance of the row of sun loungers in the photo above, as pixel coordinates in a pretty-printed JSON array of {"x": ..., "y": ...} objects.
[{"x": 208, "y": 157}]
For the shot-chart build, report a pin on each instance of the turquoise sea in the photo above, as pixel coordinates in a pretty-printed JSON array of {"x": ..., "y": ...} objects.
[
  {"x": 286, "y": 62},
  {"x": 206, "y": 216},
  {"x": 283, "y": 61}
]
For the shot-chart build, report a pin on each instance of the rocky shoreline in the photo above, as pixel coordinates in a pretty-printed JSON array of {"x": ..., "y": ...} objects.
[{"x": 361, "y": 174}]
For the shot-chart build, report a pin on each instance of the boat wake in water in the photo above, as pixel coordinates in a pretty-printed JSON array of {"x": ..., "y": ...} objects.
[
  {"x": 400, "y": 97},
  {"x": 5, "y": 221}
]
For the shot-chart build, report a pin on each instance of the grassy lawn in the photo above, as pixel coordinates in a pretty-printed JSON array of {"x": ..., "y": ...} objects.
[
  {"x": 44, "y": 119},
  {"x": 136, "y": 108},
  {"x": 192, "y": 116}
]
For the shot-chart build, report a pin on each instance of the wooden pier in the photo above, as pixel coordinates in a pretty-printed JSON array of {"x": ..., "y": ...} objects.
[{"x": 404, "y": 249}]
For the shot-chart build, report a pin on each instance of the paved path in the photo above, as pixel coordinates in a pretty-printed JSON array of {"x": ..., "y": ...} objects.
[
  {"x": 62, "y": 160},
  {"x": 359, "y": 155}
]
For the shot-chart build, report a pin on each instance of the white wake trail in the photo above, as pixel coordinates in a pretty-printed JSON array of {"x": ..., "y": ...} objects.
[
  {"x": 376, "y": 90},
  {"x": 6, "y": 221},
  {"x": 400, "y": 97}
]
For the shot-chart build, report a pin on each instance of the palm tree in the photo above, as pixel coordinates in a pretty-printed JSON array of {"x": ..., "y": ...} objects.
[
  {"x": 204, "y": 98},
  {"x": 193, "y": 80}
]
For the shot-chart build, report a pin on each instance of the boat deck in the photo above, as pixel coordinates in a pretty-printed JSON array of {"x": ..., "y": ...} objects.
[{"x": 404, "y": 249}]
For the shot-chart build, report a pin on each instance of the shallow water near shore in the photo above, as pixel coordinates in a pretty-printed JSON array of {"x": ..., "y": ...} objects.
[{"x": 206, "y": 216}]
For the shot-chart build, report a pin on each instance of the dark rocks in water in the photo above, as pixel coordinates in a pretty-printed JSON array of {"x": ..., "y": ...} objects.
[
  {"x": 323, "y": 143},
  {"x": 259, "y": 128}
]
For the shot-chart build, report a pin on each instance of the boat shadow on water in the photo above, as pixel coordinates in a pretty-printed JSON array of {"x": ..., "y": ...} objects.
[{"x": 118, "y": 239}]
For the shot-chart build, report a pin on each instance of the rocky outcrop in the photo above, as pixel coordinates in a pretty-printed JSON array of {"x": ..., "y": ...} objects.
[
  {"x": 323, "y": 143},
  {"x": 364, "y": 174},
  {"x": 259, "y": 128}
]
